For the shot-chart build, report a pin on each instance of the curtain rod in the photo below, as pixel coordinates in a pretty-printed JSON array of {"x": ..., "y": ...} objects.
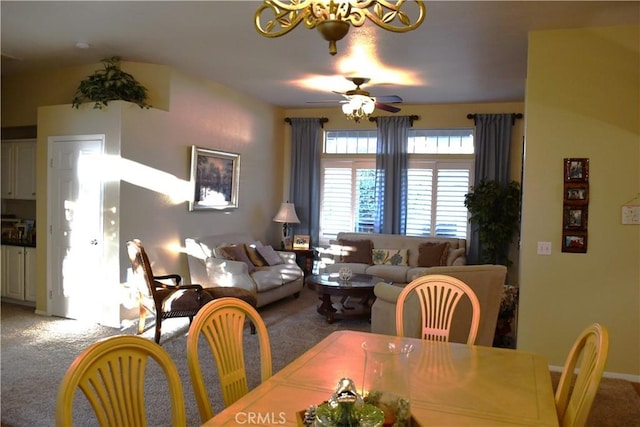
[
  {"x": 412, "y": 118},
  {"x": 322, "y": 120},
  {"x": 514, "y": 116}
]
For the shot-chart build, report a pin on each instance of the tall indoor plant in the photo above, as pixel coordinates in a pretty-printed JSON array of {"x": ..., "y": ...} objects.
[
  {"x": 495, "y": 208},
  {"x": 110, "y": 84}
]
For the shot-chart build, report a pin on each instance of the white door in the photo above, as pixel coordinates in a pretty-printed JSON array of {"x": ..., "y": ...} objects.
[{"x": 76, "y": 227}]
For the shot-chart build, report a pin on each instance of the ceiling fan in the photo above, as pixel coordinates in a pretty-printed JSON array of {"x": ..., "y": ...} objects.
[{"x": 359, "y": 103}]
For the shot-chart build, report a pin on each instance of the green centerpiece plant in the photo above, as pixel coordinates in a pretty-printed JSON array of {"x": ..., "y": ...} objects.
[
  {"x": 110, "y": 84},
  {"x": 495, "y": 208}
]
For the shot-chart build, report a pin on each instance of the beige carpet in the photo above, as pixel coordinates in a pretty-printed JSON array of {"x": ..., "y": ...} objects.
[{"x": 37, "y": 350}]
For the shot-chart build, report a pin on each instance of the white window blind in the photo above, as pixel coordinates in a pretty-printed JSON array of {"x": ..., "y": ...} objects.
[{"x": 437, "y": 182}]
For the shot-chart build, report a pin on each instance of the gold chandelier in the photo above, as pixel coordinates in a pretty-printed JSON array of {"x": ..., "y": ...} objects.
[{"x": 332, "y": 18}]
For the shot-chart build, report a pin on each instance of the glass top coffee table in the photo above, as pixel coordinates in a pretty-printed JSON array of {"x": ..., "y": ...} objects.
[{"x": 359, "y": 286}]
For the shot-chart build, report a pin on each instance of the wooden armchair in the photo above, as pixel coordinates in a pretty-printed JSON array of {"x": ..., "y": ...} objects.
[{"x": 166, "y": 300}]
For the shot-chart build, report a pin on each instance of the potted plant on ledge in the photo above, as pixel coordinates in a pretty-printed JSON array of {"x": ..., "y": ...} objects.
[{"x": 110, "y": 84}]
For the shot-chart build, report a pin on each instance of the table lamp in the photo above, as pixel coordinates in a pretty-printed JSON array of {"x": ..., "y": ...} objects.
[{"x": 287, "y": 216}]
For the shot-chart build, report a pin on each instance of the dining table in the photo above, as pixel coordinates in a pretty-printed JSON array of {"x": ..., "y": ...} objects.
[{"x": 450, "y": 384}]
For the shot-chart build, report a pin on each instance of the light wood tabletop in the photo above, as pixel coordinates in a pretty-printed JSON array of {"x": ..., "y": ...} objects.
[{"x": 451, "y": 384}]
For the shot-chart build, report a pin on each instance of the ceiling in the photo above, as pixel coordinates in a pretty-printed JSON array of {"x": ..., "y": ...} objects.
[{"x": 465, "y": 51}]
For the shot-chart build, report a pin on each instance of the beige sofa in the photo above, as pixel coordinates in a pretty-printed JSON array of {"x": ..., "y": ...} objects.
[
  {"x": 487, "y": 281},
  {"x": 399, "y": 274},
  {"x": 209, "y": 267}
]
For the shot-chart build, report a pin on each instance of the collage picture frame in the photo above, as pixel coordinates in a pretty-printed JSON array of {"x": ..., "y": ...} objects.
[{"x": 575, "y": 205}]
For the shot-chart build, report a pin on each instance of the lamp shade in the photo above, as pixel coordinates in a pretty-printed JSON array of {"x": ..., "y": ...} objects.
[{"x": 287, "y": 214}]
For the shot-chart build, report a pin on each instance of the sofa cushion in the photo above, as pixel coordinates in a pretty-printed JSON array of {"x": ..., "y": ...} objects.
[
  {"x": 356, "y": 251},
  {"x": 254, "y": 256},
  {"x": 390, "y": 273},
  {"x": 267, "y": 278},
  {"x": 390, "y": 256},
  {"x": 272, "y": 277},
  {"x": 270, "y": 256},
  {"x": 431, "y": 254}
]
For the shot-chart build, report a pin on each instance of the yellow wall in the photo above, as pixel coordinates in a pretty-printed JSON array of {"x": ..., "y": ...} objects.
[
  {"x": 22, "y": 94},
  {"x": 582, "y": 101}
]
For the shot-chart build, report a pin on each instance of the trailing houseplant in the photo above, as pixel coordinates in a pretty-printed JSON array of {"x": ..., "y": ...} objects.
[
  {"x": 110, "y": 84},
  {"x": 495, "y": 208}
]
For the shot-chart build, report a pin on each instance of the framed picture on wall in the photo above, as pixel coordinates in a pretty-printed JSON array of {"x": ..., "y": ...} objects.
[
  {"x": 574, "y": 241},
  {"x": 576, "y": 193},
  {"x": 215, "y": 176},
  {"x": 575, "y": 217},
  {"x": 576, "y": 170}
]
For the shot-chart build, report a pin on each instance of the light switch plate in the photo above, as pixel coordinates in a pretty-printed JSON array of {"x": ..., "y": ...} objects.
[{"x": 544, "y": 248}]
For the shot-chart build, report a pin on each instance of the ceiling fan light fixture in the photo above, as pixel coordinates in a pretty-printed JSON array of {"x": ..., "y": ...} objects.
[
  {"x": 333, "y": 18},
  {"x": 358, "y": 107}
]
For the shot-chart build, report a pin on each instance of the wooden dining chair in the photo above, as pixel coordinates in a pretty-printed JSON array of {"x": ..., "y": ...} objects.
[
  {"x": 111, "y": 375},
  {"x": 221, "y": 322},
  {"x": 438, "y": 296},
  {"x": 156, "y": 295},
  {"x": 575, "y": 393}
]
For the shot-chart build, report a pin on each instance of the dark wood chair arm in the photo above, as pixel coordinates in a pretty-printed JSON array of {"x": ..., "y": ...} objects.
[
  {"x": 160, "y": 285},
  {"x": 175, "y": 277}
]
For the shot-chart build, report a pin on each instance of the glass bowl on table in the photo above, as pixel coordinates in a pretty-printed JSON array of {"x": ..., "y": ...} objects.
[{"x": 386, "y": 380}]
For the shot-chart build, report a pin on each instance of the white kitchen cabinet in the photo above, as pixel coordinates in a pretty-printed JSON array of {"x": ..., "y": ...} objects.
[
  {"x": 3, "y": 272},
  {"x": 30, "y": 274},
  {"x": 19, "y": 273},
  {"x": 14, "y": 271},
  {"x": 19, "y": 169}
]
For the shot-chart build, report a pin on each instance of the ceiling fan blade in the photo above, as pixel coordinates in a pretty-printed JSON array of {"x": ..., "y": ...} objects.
[
  {"x": 326, "y": 101},
  {"x": 385, "y": 107},
  {"x": 389, "y": 99}
]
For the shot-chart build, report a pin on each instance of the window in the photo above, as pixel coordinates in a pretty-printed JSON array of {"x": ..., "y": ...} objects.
[{"x": 439, "y": 176}]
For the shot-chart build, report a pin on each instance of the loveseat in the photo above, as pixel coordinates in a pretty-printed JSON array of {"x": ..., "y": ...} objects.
[
  {"x": 487, "y": 281},
  {"x": 392, "y": 257},
  {"x": 238, "y": 260}
]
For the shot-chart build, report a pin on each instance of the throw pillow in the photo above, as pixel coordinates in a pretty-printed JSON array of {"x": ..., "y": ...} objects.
[
  {"x": 270, "y": 256},
  {"x": 237, "y": 253},
  {"x": 432, "y": 254},
  {"x": 357, "y": 251},
  {"x": 254, "y": 256},
  {"x": 454, "y": 254},
  {"x": 390, "y": 256}
]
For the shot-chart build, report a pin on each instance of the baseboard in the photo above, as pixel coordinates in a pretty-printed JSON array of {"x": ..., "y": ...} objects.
[
  {"x": 42, "y": 313},
  {"x": 614, "y": 375}
]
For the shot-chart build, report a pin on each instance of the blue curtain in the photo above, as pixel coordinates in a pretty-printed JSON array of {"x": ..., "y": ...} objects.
[
  {"x": 391, "y": 174},
  {"x": 304, "y": 193},
  {"x": 492, "y": 144}
]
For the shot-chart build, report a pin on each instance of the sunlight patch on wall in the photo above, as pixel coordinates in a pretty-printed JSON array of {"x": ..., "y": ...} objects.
[{"x": 175, "y": 189}]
